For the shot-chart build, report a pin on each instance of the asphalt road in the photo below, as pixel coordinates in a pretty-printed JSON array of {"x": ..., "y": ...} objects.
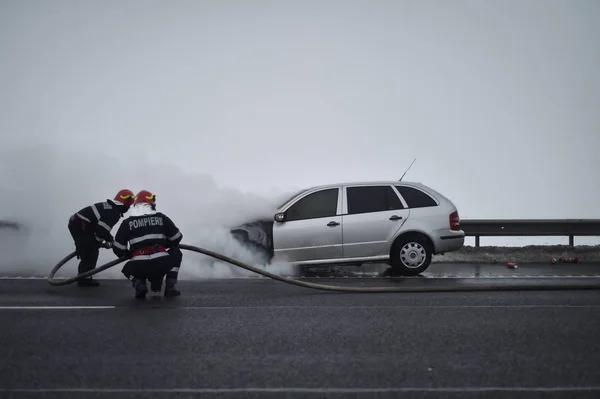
[{"x": 262, "y": 338}]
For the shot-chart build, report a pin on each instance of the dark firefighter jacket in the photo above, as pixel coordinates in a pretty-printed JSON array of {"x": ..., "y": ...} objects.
[
  {"x": 145, "y": 231},
  {"x": 102, "y": 216}
]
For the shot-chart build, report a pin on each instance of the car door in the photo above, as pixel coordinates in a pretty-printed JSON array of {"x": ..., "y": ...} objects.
[
  {"x": 372, "y": 214},
  {"x": 311, "y": 229}
]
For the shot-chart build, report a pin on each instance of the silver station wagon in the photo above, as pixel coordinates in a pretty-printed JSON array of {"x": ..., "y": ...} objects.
[{"x": 399, "y": 223}]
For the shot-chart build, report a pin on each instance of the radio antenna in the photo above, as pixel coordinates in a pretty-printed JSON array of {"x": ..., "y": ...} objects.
[{"x": 407, "y": 169}]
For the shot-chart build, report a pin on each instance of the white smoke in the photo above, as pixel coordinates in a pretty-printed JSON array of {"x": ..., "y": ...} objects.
[{"x": 42, "y": 186}]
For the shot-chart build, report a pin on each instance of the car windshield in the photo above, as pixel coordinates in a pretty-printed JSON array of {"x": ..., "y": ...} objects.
[{"x": 291, "y": 198}]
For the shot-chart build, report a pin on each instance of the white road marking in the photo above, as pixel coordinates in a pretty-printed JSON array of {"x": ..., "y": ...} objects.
[
  {"x": 54, "y": 307},
  {"x": 24, "y": 278},
  {"x": 458, "y": 277},
  {"x": 305, "y": 390},
  {"x": 308, "y": 307},
  {"x": 480, "y": 277},
  {"x": 424, "y": 306}
]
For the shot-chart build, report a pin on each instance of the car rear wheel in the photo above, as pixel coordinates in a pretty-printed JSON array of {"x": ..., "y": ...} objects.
[{"x": 411, "y": 255}]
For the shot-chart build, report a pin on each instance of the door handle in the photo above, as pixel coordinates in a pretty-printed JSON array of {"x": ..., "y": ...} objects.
[
  {"x": 331, "y": 224},
  {"x": 395, "y": 217}
]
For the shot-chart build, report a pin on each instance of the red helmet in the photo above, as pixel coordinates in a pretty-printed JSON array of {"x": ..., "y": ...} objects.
[
  {"x": 124, "y": 197},
  {"x": 145, "y": 197}
]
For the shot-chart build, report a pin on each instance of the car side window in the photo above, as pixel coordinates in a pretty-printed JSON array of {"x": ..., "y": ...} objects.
[
  {"x": 372, "y": 199},
  {"x": 415, "y": 198},
  {"x": 316, "y": 205}
]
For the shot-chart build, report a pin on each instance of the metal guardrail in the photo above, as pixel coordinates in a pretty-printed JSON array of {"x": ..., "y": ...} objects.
[
  {"x": 499, "y": 227},
  {"x": 530, "y": 227}
]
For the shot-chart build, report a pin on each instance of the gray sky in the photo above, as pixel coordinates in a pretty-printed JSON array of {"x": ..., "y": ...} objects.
[{"x": 498, "y": 101}]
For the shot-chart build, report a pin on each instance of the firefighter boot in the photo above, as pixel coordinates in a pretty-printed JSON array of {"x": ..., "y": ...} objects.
[
  {"x": 170, "y": 290},
  {"x": 140, "y": 288},
  {"x": 156, "y": 284}
]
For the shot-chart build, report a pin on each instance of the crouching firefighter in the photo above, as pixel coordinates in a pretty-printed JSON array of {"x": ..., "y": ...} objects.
[
  {"x": 91, "y": 227},
  {"x": 153, "y": 242}
]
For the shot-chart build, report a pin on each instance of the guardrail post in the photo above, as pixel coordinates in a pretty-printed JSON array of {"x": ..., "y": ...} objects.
[
  {"x": 477, "y": 241},
  {"x": 571, "y": 241}
]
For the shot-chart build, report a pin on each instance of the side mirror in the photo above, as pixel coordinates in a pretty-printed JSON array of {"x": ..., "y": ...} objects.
[{"x": 280, "y": 217}]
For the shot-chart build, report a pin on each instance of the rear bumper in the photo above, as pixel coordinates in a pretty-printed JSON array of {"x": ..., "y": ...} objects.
[{"x": 447, "y": 240}]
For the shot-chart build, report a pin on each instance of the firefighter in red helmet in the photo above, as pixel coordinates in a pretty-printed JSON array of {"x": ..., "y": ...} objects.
[
  {"x": 153, "y": 241},
  {"x": 91, "y": 229}
]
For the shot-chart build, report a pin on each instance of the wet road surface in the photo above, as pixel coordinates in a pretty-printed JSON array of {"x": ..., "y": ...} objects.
[{"x": 262, "y": 338}]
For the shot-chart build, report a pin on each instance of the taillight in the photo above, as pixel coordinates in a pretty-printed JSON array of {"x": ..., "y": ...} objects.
[{"x": 454, "y": 221}]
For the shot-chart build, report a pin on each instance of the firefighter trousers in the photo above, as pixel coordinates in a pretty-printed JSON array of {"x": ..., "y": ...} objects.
[
  {"x": 86, "y": 245},
  {"x": 157, "y": 268}
]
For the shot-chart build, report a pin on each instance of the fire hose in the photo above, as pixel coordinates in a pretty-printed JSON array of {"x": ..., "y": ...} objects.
[{"x": 290, "y": 280}]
